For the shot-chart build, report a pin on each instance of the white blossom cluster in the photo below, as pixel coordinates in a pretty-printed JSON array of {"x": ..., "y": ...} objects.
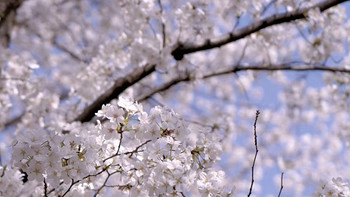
[
  {"x": 336, "y": 187},
  {"x": 11, "y": 183},
  {"x": 142, "y": 154},
  {"x": 63, "y": 55}
]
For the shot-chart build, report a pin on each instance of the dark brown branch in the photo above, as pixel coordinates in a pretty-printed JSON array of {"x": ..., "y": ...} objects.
[
  {"x": 182, "y": 49},
  {"x": 256, "y": 153},
  {"x": 235, "y": 69},
  {"x": 119, "y": 86},
  {"x": 45, "y": 188},
  {"x": 8, "y": 11},
  {"x": 279, "y": 194}
]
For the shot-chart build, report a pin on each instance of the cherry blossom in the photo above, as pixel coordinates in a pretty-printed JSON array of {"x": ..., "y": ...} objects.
[{"x": 159, "y": 98}]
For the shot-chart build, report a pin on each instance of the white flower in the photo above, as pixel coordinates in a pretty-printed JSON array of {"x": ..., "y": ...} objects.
[
  {"x": 110, "y": 130},
  {"x": 129, "y": 105}
]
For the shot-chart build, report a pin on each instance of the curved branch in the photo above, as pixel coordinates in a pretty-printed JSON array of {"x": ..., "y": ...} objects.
[
  {"x": 182, "y": 49},
  {"x": 119, "y": 86},
  {"x": 235, "y": 69}
]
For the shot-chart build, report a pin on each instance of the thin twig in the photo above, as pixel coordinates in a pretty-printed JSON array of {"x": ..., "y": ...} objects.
[
  {"x": 70, "y": 187},
  {"x": 182, "y": 49},
  {"x": 256, "y": 152},
  {"x": 86, "y": 177},
  {"x": 279, "y": 194},
  {"x": 120, "y": 142},
  {"x": 104, "y": 183},
  {"x": 136, "y": 150}
]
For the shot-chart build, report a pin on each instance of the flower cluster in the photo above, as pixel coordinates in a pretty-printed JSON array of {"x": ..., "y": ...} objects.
[
  {"x": 142, "y": 154},
  {"x": 336, "y": 187},
  {"x": 55, "y": 157},
  {"x": 11, "y": 183}
]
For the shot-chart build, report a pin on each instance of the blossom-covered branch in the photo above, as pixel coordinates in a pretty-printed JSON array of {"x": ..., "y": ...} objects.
[
  {"x": 182, "y": 49},
  {"x": 119, "y": 86},
  {"x": 64, "y": 62},
  {"x": 80, "y": 156}
]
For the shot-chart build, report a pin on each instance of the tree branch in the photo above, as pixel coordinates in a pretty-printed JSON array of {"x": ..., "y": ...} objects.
[
  {"x": 281, "y": 67},
  {"x": 14, "y": 120},
  {"x": 280, "y": 192},
  {"x": 7, "y": 17},
  {"x": 256, "y": 153},
  {"x": 235, "y": 69},
  {"x": 182, "y": 49},
  {"x": 119, "y": 86}
]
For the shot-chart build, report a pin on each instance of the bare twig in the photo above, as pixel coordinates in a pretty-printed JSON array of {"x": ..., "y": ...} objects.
[
  {"x": 256, "y": 152},
  {"x": 86, "y": 177},
  {"x": 120, "y": 142},
  {"x": 279, "y": 194},
  {"x": 238, "y": 68},
  {"x": 182, "y": 49},
  {"x": 136, "y": 150},
  {"x": 119, "y": 86},
  {"x": 104, "y": 183}
]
